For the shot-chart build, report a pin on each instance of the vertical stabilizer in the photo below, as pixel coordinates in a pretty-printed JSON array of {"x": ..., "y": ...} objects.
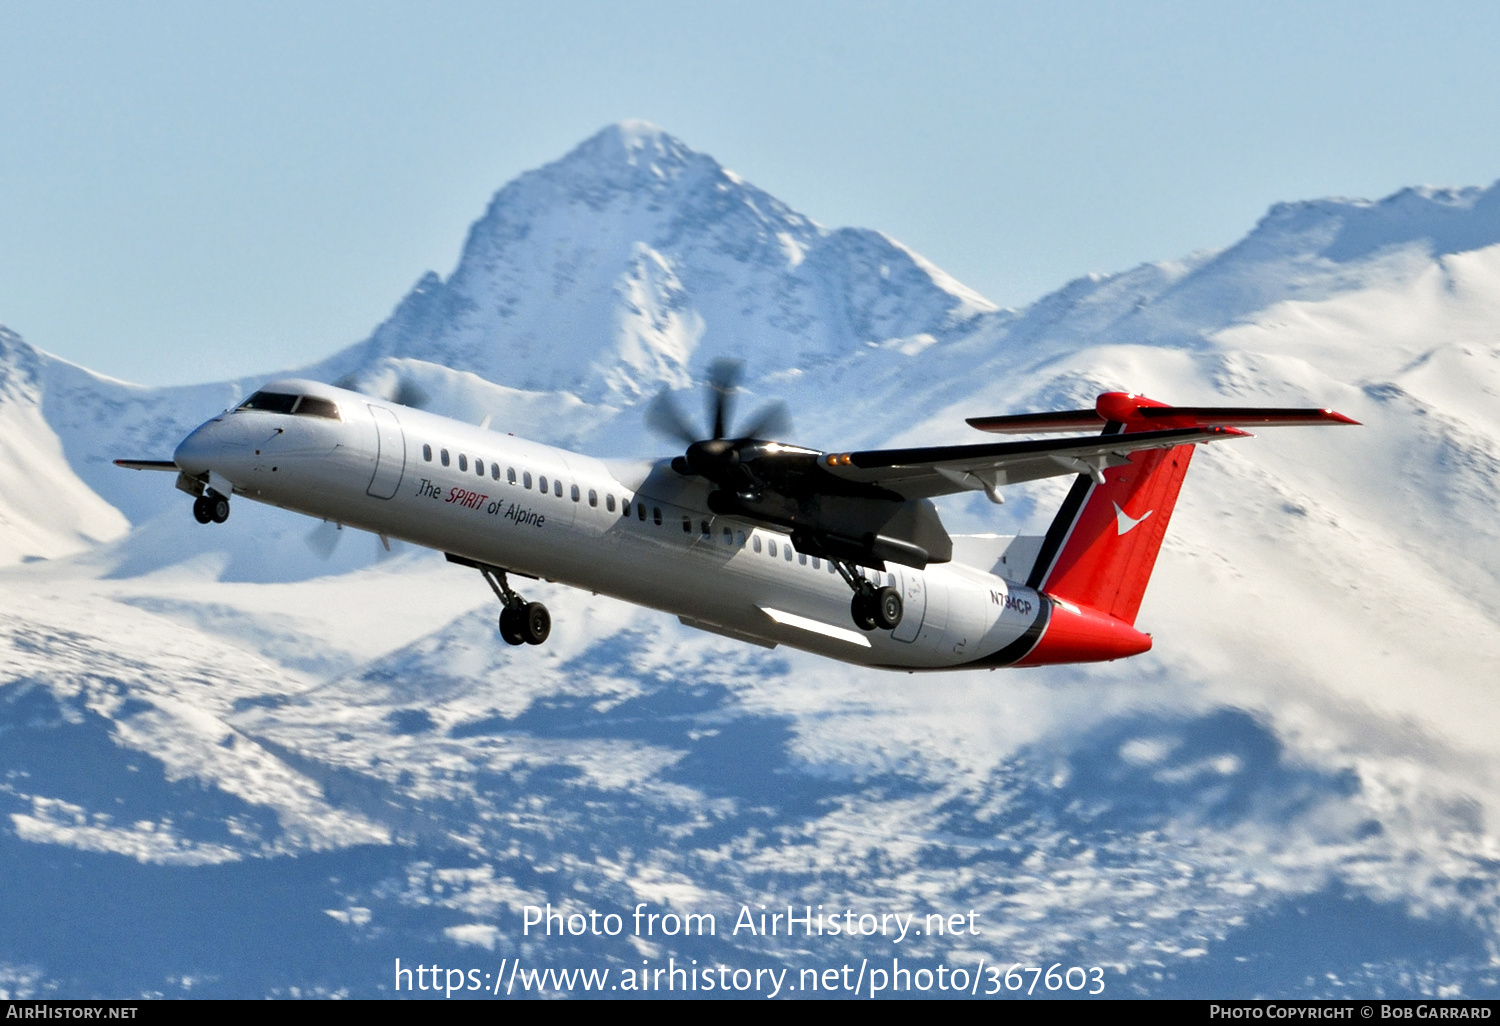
[{"x": 1102, "y": 546}]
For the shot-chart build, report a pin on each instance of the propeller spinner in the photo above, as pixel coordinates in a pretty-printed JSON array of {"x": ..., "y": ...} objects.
[{"x": 719, "y": 458}]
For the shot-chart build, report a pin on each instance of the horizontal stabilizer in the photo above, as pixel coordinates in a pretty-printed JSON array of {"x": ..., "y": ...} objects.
[{"x": 1142, "y": 413}]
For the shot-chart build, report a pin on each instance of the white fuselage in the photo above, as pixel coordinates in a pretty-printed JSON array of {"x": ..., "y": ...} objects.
[{"x": 636, "y": 531}]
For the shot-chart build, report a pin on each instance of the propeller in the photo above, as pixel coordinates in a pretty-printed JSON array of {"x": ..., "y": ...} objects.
[
  {"x": 402, "y": 391},
  {"x": 324, "y": 540},
  {"x": 719, "y": 456}
]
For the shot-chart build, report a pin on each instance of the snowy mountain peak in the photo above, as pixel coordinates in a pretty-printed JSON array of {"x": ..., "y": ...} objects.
[
  {"x": 630, "y": 155},
  {"x": 19, "y": 364},
  {"x": 636, "y": 143},
  {"x": 1446, "y": 220},
  {"x": 634, "y": 260}
]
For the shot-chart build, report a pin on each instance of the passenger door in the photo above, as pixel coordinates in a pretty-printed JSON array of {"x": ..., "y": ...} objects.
[{"x": 390, "y": 453}]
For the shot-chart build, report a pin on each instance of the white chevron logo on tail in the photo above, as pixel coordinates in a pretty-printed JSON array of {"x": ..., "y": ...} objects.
[{"x": 1124, "y": 524}]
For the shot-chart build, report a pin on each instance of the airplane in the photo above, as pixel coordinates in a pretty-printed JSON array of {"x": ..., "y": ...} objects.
[{"x": 838, "y": 553}]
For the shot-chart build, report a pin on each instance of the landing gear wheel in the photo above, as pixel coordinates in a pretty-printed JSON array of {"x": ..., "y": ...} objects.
[
  {"x": 521, "y": 622},
  {"x": 536, "y": 623},
  {"x": 862, "y": 607},
  {"x": 887, "y": 608},
  {"x": 201, "y": 511},
  {"x": 218, "y": 508},
  {"x": 510, "y": 624}
]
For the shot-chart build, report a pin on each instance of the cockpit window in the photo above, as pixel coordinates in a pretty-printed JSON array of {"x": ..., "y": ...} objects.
[
  {"x": 271, "y": 402},
  {"x": 312, "y": 406},
  {"x": 285, "y": 402}
]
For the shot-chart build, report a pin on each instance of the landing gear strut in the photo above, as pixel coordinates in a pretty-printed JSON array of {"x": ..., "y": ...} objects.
[
  {"x": 521, "y": 622},
  {"x": 211, "y": 506},
  {"x": 871, "y": 607}
]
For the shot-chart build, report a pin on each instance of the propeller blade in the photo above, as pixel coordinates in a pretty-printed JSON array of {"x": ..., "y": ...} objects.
[
  {"x": 324, "y": 538},
  {"x": 771, "y": 421},
  {"x": 409, "y": 393},
  {"x": 663, "y": 417},
  {"x": 723, "y": 381}
]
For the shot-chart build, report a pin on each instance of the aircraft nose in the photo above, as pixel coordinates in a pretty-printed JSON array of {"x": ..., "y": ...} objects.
[
  {"x": 212, "y": 446},
  {"x": 194, "y": 452}
]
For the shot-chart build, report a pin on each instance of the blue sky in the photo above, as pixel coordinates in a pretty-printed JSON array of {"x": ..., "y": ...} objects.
[{"x": 192, "y": 191}]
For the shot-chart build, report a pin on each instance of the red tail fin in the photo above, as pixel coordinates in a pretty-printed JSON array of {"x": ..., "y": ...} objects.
[
  {"x": 1102, "y": 545},
  {"x": 1097, "y": 556}
]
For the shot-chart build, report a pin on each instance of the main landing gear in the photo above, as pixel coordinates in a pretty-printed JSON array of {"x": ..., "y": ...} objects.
[
  {"x": 872, "y": 608},
  {"x": 521, "y": 622},
  {"x": 211, "y": 506}
]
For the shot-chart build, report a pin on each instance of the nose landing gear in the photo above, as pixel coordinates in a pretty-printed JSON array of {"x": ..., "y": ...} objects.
[
  {"x": 521, "y": 622},
  {"x": 211, "y": 506}
]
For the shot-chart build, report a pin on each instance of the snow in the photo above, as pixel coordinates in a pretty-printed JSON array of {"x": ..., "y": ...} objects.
[{"x": 1297, "y": 785}]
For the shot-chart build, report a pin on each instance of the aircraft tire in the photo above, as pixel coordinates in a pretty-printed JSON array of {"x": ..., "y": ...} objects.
[
  {"x": 201, "y": 512},
  {"x": 862, "y": 608},
  {"x": 218, "y": 508},
  {"x": 536, "y": 624},
  {"x": 887, "y": 608},
  {"x": 511, "y": 626}
]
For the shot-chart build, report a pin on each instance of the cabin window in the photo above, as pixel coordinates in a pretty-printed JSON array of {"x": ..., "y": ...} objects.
[
  {"x": 687, "y": 525},
  {"x": 312, "y": 406},
  {"x": 655, "y": 515},
  {"x": 557, "y": 489},
  {"x": 816, "y": 564},
  {"x": 609, "y": 503},
  {"x": 802, "y": 558},
  {"x": 463, "y": 462},
  {"x": 740, "y": 539},
  {"x": 495, "y": 471},
  {"x": 593, "y": 497},
  {"x": 831, "y": 568},
  {"x": 771, "y": 547},
  {"x": 443, "y": 456},
  {"x": 525, "y": 479},
  {"x": 575, "y": 493},
  {"x": 728, "y": 536},
  {"x": 705, "y": 530},
  {"x": 541, "y": 484},
  {"x": 510, "y": 475},
  {"x": 479, "y": 468},
  {"x": 786, "y": 551},
  {"x": 640, "y": 509},
  {"x": 427, "y": 453},
  {"x": 756, "y": 543}
]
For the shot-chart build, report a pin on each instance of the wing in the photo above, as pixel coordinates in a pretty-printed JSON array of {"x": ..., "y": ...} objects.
[
  {"x": 943, "y": 470},
  {"x": 1130, "y": 423}
]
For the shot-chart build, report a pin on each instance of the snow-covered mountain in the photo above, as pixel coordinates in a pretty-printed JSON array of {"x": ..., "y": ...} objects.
[
  {"x": 605, "y": 274},
  {"x": 279, "y": 774}
]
